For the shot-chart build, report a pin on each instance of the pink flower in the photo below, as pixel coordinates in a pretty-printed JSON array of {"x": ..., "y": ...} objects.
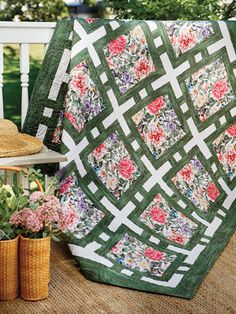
[
  {"x": 232, "y": 130},
  {"x": 68, "y": 219},
  {"x": 117, "y": 45},
  {"x": 90, "y": 20},
  {"x": 70, "y": 117},
  {"x": 219, "y": 89},
  {"x": 156, "y": 136},
  {"x": 186, "y": 172},
  {"x": 33, "y": 222},
  {"x": 80, "y": 83},
  {"x": 158, "y": 214},
  {"x": 142, "y": 68},
  {"x": 156, "y": 105},
  {"x": 212, "y": 191},
  {"x": 35, "y": 196},
  {"x": 66, "y": 184},
  {"x": 153, "y": 254},
  {"x": 186, "y": 41},
  {"x": 100, "y": 151},
  {"x": 231, "y": 156},
  {"x": 178, "y": 238},
  {"x": 126, "y": 168}
]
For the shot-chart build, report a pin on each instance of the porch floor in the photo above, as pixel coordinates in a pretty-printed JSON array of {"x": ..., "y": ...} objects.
[{"x": 71, "y": 293}]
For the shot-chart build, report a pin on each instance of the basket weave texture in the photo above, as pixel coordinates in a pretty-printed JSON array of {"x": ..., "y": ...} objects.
[
  {"x": 34, "y": 268},
  {"x": 9, "y": 281}
]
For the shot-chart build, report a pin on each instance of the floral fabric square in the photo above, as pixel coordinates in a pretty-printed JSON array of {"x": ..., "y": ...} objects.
[
  {"x": 184, "y": 35},
  {"x": 113, "y": 165},
  {"x": 80, "y": 215},
  {"x": 136, "y": 255},
  {"x": 167, "y": 221},
  {"x": 225, "y": 147},
  {"x": 210, "y": 89},
  {"x": 158, "y": 125},
  {"x": 129, "y": 59},
  {"x": 196, "y": 184},
  {"x": 83, "y": 101}
]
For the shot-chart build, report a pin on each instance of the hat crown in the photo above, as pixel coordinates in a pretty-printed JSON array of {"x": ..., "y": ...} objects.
[{"x": 7, "y": 128}]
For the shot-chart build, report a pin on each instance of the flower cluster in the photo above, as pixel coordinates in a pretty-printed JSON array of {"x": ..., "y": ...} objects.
[{"x": 42, "y": 212}]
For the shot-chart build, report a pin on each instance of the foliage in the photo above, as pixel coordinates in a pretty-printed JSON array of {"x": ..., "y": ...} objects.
[
  {"x": 33, "y": 10},
  {"x": 36, "y": 215},
  {"x": 11, "y": 200},
  {"x": 172, "y": 9}
]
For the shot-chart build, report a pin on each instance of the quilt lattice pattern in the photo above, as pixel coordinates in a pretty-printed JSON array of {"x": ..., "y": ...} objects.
[{"x": 145, "y": 112}]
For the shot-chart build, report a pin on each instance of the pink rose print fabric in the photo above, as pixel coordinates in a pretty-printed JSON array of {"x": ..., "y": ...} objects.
[
  {"x": 78, "y": 214},
  {"x": 184, "y": 35},
  {"x": 210, "y": 89},
  {"x": 83, "y": 101},
  {"x": 113, "y": 165},
  {"x": 136, "y": 255},
  {"x": 129, "y": 59},
  {"x": 167, "y": 221},
  {"x": 196, "y": 184},
  {"x": 158, "y": 125},
  {"x": 225, "y": 148}
]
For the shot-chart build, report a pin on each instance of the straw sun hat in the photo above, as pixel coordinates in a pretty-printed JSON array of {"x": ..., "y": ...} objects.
[{"x": 14, "y": 143}]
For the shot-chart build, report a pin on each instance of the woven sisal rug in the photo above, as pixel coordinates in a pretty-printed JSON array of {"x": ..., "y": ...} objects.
[
  {"x": 70, "y": 292},
  {"x": 145, "y": 112}
]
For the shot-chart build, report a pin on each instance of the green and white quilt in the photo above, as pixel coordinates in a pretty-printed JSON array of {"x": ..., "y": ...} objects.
[{"x": 145, "y": 112}]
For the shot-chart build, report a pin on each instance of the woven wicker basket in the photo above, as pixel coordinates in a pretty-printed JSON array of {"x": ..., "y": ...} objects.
[
  {"x": 34, "y": 261},
  {"x": 9, "y": 279},
  {"x": 34, "y": 268}
]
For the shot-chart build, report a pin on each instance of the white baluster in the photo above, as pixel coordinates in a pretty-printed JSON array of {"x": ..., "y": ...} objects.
[
  {"x": 1, "y": 82},
  {"x": 24, "y": 70},
  {"x": 9, "y": 177},
  {"x": 45, "y": 48}
]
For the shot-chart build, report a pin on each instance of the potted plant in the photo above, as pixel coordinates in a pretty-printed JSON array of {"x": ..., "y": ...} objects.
[
  {"x": 36, "y": 223},
  {"x": 12, "y": 199}
]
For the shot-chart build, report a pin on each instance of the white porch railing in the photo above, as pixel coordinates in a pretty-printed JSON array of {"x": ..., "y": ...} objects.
[{"x": 24, "y": 34}]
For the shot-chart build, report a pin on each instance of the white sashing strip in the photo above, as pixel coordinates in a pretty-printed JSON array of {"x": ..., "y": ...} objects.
[
  {"x": 154, "y": 240},
  {"x": 183, "y": 268},
  {"x": 88, "y": 252},
  {"x": 87, "y": 41},
  {"x": 172, "y": 283},
  {"x": 205, "y": 240},
  {"x": 118, "y": 112},
  {"x": 41, "y": 132},
  {"x": 198, "y": 138},
  {"x": 152, "y": 25},
  {"x": 157, "y": 176},
  {"x": 214, "y": 225},
  {"x": 220, "y": 212},
  {"x": 93, "y": 188},
  {"x": 231, "y": 194},
  {"x": 233, "y": 112},
  {"x": 194, "y": 254},
  {"x": 224, "y": 42},
  {"x": 104, "y": 236},
  {"x": 171, "y": 75},
  {"x": 127, "y": 272},
  {"x": 114, "y": 25},
  {"x": 121, "y": 216},
  {"x": 74, "y": 152},
  {"x": 60, "y": 75},
  {"x": 47, "y": 112},
  {"x": 198, "y": 218}
]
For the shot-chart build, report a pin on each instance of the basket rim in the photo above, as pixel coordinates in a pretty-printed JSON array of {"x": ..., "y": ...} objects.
[
  {"x": 18, "y": 169},
  {"x": 11, "y": 240}
]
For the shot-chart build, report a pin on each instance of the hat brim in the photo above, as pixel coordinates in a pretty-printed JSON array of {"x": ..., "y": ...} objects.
[{"x": 28, "y": 145}]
